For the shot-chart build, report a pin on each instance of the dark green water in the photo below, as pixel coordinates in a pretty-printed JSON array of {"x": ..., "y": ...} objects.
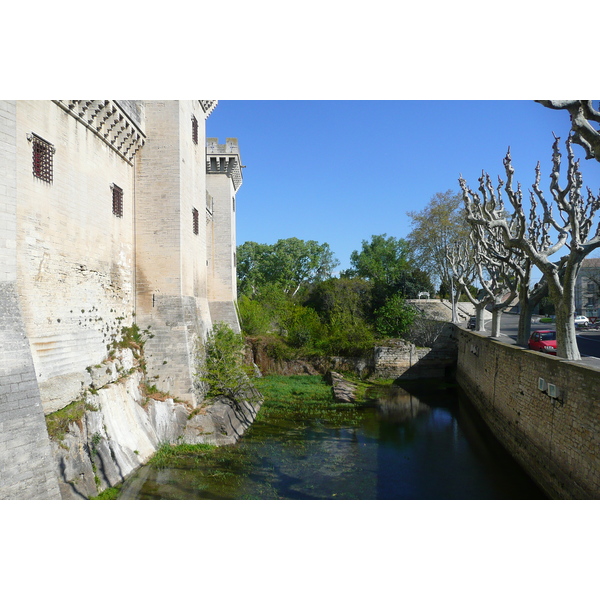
[{"x": 427, "y": 443}]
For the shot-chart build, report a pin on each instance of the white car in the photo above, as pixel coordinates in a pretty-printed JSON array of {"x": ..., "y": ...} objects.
[{"x": 581, "y": 321}]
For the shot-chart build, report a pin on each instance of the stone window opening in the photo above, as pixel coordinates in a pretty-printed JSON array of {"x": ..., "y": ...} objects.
[
  {"x": 117, "y": 201},
  {"x": 195, "y": 221},
  {"x": 42, "y": 158},
  {"x": 194, "y": 129}
]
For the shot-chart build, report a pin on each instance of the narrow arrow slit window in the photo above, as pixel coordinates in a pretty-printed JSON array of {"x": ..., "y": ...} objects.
[
  {"x": 195, "y": 221},
  {"x": 194, "y": 129}
]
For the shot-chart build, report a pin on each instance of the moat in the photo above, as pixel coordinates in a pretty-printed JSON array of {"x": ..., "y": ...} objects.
[{"x": 426, "y": 443}]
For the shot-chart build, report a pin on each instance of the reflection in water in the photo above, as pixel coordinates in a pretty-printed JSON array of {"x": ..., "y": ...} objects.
[
  {"x": 396, "y": 405},
  {"x": 422, "y": 443}
]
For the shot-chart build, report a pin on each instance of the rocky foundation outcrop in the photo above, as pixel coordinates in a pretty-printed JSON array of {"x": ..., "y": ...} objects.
[{"x": 121, "y": 428}]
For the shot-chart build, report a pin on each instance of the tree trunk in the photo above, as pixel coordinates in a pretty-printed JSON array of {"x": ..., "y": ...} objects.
[
  {"x": 479, "y": 312},
  {"x": 454, "y": 295},
  {"x": 496, "y": 318},
  {"x": 564, "y": 303},
  {"x": 565, "y": 333},
  {"x": 528, "y": 300},
  {"x": 524, "y": 329}
]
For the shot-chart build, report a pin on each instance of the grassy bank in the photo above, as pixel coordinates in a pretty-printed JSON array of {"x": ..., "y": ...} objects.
[{"x": 302, "y": 398}]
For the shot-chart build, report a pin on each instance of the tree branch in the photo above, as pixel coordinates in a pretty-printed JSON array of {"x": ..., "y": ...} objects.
[{"x": 581, "y": 113}]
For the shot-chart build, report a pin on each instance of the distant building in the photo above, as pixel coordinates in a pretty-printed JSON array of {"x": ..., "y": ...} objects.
[{"x": 587, "y": 288}]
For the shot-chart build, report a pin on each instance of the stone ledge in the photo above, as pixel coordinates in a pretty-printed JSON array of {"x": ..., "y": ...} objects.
[{"x": 343, "y": 391}]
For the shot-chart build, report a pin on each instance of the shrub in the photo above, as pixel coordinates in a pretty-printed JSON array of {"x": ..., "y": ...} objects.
[
  {"x": 301, "y": 326},
  {"x": 347, "y": 335},
  {"x": 223, "y": 369},
  {"x": 395, "y": 317},
  {"x": 255, "y": 318}
]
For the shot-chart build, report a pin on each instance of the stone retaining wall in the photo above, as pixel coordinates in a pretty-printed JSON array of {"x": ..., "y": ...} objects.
[
  {"x": 555, "y": 439},
  {"x": 402, "y": 360}
]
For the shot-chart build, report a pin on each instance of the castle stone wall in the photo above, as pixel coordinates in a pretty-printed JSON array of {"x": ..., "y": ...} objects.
[
  {"x": 26, "y": 469},
  {"x": 75, "y": 257},
  {"x": 73, "y": 273}
]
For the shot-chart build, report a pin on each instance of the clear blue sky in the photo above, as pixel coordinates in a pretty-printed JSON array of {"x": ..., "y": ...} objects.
[{"x": 342, "y": 171}]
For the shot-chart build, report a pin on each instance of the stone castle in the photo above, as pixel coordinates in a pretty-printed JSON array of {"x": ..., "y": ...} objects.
[{"x": 111, "y": 212}]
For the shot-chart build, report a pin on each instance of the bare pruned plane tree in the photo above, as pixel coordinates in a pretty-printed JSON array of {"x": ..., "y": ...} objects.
[
  {"x": 541, "y": 236},
  {"x": 465, "y": 271},
  {"x": 512, "y": 264}
]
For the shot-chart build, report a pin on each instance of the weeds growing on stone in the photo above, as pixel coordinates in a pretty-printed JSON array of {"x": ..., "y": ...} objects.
[
  {"x": 169, "y": 456},
  {"x": 58, "y": 422},
  {"x": 111, "y": 493}
]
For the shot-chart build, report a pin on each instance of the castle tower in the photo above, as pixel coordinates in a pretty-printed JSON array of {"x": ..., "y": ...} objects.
[
  {"x": 223, "y": 180},
  {"x": 171, "y": 247}
]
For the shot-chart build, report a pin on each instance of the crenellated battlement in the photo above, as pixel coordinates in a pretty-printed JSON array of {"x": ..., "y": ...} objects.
[{"x": 224, "y": 159}]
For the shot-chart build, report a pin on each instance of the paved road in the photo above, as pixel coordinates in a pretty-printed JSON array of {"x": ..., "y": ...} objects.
[{"x": 588, "y": 341}]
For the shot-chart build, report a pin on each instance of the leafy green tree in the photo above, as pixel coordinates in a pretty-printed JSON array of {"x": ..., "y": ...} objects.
[
  {"x": 388, "y": 264},
  {"x": 294, "y": 262},
  {"x": 223, "y": 369},
  {"x": 301, "y": 326},
  {"x": 411, "y": 282},
  {"x": 381, "y": 260},
  {"x": 435, "y": 229},
  {"x": 395, "y": 317},
  {"x": 351, "y": 296},
  {"x": 289, "y": 263},
  {"x": 347, "y": 335},
  {"x": 250, "y": 258},
  {"x": 345, "y": 308}
]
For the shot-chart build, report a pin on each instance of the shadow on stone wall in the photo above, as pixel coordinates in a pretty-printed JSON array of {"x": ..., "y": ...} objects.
[{"x": 397, "y": 359}]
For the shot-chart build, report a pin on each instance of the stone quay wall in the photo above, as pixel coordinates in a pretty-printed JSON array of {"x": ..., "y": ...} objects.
[
  {"x": 403, "y": 360},
  {"x": 554, "y": 432}
]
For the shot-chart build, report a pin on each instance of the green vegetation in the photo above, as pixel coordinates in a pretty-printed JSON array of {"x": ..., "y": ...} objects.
[
  {"x": 223, "y": 369},
  {"x": 434, "y": 229},
  {"x": 303, "y": 398},
  {"x": 168, "y": 456},
  {"x": 111, "y": 493},
  {"x": 395, "y": 317},
  {"x": 289, "y": 402},
  {"x": 288, "y": 264},
  {"x": 131, "y": 337},
  {"x": 291, "y": 302},
  {"x": 58, "y": 422}
]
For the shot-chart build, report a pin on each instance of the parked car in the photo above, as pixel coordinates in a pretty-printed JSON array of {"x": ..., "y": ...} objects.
[
  {"x": 581, "y": 321},
  {"x": 472, "y": 323},
  {"x": 543, "y": 341}
]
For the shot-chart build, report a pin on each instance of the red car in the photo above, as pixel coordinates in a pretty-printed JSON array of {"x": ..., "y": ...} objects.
[{"x": 543, "y": 341}]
